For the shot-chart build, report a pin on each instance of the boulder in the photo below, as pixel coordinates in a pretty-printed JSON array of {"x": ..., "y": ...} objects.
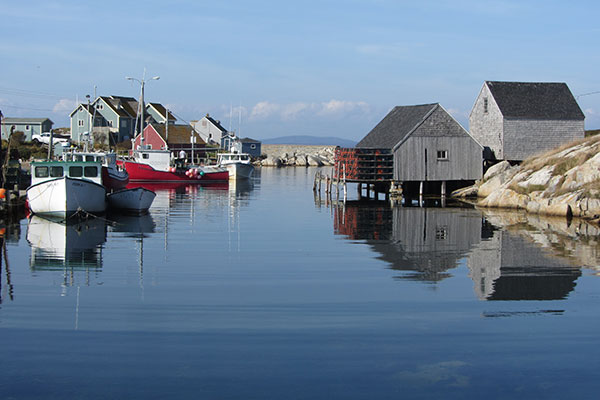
[
  {"x": 314, "y": 161},
  {"x": 271, "y": 162}
]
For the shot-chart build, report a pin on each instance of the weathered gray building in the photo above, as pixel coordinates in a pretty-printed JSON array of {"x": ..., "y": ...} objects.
[
  {"x": 427, "y": 145},
  {"x": 516, "y": 120}
]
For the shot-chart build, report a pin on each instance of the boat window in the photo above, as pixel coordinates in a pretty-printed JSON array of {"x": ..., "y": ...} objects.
[
  {"x": 145, "y": 155},
  {"x": 41, "y": 172},
  {"x": 89, "y": 158},
  {"x": 78, "y": 157},
  {"x": 56, "y": 172},
  {"x": 75, "y": 172},
  {"x": 100, "y": 159},
  {"x": 90, "y": 172}
]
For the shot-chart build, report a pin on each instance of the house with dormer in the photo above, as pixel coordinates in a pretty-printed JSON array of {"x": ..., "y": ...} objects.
[
  {"x": 115, "y": 118},
  {"x": 517, "y": 120}
]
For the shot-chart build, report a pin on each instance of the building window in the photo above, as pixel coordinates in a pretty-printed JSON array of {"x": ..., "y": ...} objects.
[
  {"x": 123, "y": 123},
  {"x": 110, "y": 123},
  {"x": 441, "y": 232},
  {"x": 253, "y": 146},
  {"x": 80, "y": 122},
  {"x": 99, "y": 106},
  {"x": 27, "y": 127},
  {"x": 485, "y": 105},
  {"x": 442, "y": 155}
]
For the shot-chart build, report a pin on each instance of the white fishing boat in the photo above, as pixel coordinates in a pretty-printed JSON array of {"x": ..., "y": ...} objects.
[
  {"x": 135, "y": 200},
  {"x": 64, "y": 188},
  {"x": 238, "y": 165}
]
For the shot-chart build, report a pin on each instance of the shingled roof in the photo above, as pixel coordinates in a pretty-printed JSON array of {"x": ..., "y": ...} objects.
[
  {"x": 162, "y": 110},
  {"x": 396, "y": 125},
  {"x": 178, "y": 134},
  {"x": 535, "y": 100}
]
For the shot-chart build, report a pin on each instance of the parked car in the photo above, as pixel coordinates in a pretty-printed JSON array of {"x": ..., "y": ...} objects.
[{"x": 44, "y": 138}]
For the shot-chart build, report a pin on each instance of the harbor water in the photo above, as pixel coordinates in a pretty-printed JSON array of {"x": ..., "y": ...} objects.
[{"x": 260, "y": 290}]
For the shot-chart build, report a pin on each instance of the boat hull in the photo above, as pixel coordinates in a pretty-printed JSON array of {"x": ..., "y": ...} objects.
[
  {"x": 114, "y": 179},
  {"x": 136, "y": 200},
  {"x": 240, "y": 170},
  {"x": 140, "y": 172},
  {"x": 63, "y": 197}
]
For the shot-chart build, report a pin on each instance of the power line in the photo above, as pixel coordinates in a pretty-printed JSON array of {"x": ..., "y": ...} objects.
[
  {"x": 29, "y": 93},
  {"x": 587, "y": 94},
  {"x": 25, "y": 108}
]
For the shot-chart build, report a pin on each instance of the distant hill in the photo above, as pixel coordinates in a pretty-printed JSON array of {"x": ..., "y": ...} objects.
[{"x": 311, "y": 140}]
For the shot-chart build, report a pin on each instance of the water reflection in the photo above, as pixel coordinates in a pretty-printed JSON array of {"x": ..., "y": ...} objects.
[
  {"x": 509, "y": 257},
  {"x": 57, "y": 245},
  {"x": 423, "y": 243}
]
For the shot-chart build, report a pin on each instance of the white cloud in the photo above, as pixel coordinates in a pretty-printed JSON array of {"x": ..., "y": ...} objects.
[
  {"x": 292, "y": 111},
  {"x": 264, "y": 109},
  {"x": 64, "y": 105},
  {"x": 342, "y": 107}
]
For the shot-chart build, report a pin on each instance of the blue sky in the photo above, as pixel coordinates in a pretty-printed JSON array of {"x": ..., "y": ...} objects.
[{"x": 322, "y": 68}]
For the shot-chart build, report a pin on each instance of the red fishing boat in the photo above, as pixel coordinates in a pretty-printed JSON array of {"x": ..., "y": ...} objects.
[{"x": 155, "y": 166}]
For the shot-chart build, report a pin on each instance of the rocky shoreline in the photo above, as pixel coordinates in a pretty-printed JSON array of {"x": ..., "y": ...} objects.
[
  {"x": 562, "y": 182},
  {"x": 282, "y": 155}
]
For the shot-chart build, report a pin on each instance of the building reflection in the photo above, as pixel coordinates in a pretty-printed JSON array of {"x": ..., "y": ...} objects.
[{"x": 426, "y": 243}]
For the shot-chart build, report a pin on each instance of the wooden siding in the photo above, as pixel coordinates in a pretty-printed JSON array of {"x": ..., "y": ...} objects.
[
  {"x": 152, "y": 138},
  {"x": 464, "y": 159}
]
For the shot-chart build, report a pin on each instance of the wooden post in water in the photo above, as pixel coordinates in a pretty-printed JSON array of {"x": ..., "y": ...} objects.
[{"x": 345, "y": 188}]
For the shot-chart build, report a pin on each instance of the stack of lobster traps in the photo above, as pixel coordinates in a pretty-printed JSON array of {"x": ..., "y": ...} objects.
[{"x": 364, "y": 165}]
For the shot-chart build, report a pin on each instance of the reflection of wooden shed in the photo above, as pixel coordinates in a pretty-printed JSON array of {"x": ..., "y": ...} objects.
[{"x": 416, "y": 144}]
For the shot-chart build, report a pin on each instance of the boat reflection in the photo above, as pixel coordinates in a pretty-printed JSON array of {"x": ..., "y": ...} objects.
[
  {"x": 426, "y": 243},
  {"x": 57, "y": 246},
  {"x": 134, "y": 226}
]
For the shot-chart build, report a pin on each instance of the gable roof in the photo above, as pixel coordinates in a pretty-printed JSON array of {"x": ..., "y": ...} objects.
[
  {"x": 396, "y": 126},
  {"x": 161, "y": 110},
  {"x": 121, "y": 105},
  {"x": 249, "y": 140},
  {"x": 535, "y": 100},
  {"x": 178, "y": 134},
  {"x": 215, "y": 123}
]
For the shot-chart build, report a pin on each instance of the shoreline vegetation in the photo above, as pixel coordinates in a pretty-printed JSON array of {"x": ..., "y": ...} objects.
[{"x": 562, "y": 182}]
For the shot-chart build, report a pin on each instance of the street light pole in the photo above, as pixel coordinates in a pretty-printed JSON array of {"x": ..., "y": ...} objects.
[{"x": 142, "y": 83}]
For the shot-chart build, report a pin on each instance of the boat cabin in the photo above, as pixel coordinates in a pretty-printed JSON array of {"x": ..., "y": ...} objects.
[
  {"x": 227, "y": 158},
  {"x": 103, "y": 158},
  {"x": 48, "y": 170},
  {"x": 157, "y": 159}
]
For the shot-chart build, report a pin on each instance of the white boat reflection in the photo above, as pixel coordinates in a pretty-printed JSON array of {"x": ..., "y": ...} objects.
[{"x": 56, "y": 245}]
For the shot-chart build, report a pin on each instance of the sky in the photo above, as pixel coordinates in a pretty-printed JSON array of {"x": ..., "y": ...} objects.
[{"x": 277, "y": 68}]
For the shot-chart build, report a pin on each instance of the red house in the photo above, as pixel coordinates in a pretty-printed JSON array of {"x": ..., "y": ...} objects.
[{"x": 175, "y": 138}]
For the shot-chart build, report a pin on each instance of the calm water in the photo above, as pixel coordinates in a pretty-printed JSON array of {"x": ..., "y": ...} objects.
[{"x": 261, "y": 291}]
